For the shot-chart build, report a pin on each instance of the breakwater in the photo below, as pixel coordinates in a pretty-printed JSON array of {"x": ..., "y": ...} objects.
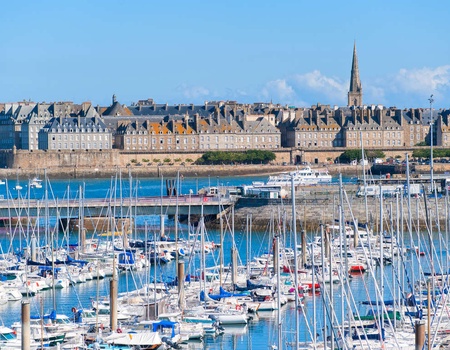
[{"x": 315, "y": 206}]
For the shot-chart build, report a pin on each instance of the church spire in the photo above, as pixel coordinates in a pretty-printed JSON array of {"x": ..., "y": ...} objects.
[{"x": 355, "y": 92}]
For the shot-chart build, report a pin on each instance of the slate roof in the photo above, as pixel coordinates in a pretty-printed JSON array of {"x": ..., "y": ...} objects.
[{"x": 71, "y": 123}]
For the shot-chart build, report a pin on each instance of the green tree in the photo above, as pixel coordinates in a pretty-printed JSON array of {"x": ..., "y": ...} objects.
[
  {"x": 356, "y": 154},
  {"x": 250, "y": 156},
  {"x": 349, "y": 155}
]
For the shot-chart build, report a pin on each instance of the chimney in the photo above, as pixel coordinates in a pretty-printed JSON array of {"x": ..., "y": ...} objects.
[
  {"x": 137, "y": 124},
  {"x": 79, "y": 121},
  {"x": 167, "y": 107},
  {"x": 197, "y": 122}
]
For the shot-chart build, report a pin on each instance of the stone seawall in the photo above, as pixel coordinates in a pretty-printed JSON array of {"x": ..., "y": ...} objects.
[
  {"x": 315, "y": 207},
  {"x": 87, "y": 167}
]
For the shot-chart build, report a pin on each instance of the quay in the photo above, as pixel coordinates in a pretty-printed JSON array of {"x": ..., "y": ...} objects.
[
  {"x": 317, "y": 205},
  {"x": 70, "y": 209}
]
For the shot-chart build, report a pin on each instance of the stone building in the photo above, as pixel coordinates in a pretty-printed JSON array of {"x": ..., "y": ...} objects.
[
  {"x": 313, "y": 128},
  {"x": 442, "y": 129},
  {"x": 196, "y": 133},
  {"x": 11, "y": 120},
  {"x": 82, "y": 131}
]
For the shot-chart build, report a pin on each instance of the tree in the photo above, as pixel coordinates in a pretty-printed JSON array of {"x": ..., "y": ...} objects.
[
  {"x": 372, "y": 154},
  {"x": 356, "y": 154},
  {"x": 349, "y": 155},
  {"x": 250, "y": 156}
]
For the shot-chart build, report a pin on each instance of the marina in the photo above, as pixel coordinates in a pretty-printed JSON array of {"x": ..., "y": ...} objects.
[{"x": 232, "y": 297}]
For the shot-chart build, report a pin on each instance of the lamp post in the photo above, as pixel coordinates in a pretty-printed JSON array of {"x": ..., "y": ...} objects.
[
  {"x": 196, "y": 183},
  {"x": 431, "y": 142}
]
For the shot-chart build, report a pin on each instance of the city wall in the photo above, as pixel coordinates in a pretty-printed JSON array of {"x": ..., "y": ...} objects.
[{"x": 76, "y": 164}]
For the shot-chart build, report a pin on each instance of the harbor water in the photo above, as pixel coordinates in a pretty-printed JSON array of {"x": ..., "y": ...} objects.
[{"x": 262, "y": 330}]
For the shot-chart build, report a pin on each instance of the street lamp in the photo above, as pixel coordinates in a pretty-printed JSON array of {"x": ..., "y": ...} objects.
[
  {"x": 196, "y": 183},
  {"x": 431, "y": 141}
]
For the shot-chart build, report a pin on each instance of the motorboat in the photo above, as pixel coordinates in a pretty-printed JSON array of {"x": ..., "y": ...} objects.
[
  {"x": 35, "y": 183},
  {"x": 302, "y": 177}
]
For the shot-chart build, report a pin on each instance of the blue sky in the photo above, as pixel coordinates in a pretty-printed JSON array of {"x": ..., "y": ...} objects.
[{"x": 291, "y": 52}]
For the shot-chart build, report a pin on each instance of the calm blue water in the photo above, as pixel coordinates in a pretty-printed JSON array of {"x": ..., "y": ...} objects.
[{"x": 260, "y": 333}]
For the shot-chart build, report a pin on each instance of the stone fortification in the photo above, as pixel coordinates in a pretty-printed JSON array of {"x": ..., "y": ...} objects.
[{"x": 315, "y": 207}]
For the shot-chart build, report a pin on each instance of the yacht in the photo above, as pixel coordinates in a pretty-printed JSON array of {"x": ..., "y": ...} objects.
[
  {"x": 36, "y": 183},
  {"x": 302, "y": 177}
]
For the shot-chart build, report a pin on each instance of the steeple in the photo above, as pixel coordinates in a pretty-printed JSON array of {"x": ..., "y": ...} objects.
[{"x": 355, "y": 92}]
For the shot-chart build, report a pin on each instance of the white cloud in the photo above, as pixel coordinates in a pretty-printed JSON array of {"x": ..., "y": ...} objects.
[
  {"x": 422, "y": 80},
  {"x": 313, "y": 86},
  {"x": 332, "y": 88},
  {"x": 193, "y": 92},
  {"x": 278, "y": 90}
]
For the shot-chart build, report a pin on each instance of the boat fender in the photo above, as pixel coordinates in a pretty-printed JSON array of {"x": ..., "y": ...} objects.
[
  {"x": 266, "y": 298},
  {"x": 335, "y": 273},
  {"x": 119, "y": 330}
]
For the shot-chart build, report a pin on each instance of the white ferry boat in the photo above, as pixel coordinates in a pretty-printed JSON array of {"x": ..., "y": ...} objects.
[{"x": 302, "y": 177}]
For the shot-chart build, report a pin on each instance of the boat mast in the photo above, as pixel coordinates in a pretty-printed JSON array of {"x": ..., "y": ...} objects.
[
  {"x": 294, "y": 232},
  {"x": 364, "y": 177},
  {"x": 277, "y": 270}
]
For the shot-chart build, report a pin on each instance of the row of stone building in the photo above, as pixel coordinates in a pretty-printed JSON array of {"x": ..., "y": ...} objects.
[{"x": 147, "y": 126}]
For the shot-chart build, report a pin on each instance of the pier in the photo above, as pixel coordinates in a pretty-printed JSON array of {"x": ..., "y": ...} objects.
[{"x": 181, "y": 205}]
